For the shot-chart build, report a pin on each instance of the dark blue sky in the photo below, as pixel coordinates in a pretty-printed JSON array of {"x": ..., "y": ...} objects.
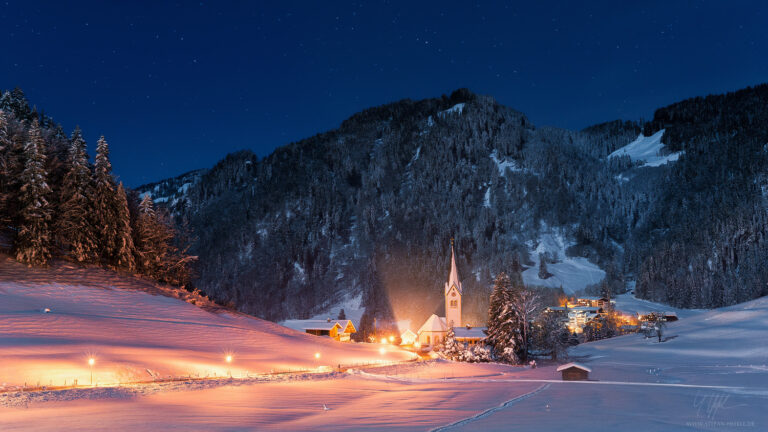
[{"x": 177, "y": 86}]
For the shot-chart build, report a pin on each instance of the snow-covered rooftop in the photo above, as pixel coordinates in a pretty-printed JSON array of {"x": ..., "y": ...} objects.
[
  {"x": 434, "y": 324},
  {"x": 312, "y": 324},
  {"x": 469, "y": 333},
  {"x": 573, "y": 365}
]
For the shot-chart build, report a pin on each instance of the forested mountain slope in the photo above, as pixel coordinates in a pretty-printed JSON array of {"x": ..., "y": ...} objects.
[{"x": 368, "y": 209}]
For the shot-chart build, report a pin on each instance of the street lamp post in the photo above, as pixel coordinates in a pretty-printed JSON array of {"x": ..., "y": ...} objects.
[{"x": 91, "y": 362}]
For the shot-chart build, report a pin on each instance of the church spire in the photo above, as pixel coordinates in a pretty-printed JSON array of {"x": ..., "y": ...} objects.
[{"x": 453, "y": 278}]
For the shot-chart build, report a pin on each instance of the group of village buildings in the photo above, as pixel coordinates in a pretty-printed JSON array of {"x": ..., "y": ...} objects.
[{"x": 575, "y": 315}]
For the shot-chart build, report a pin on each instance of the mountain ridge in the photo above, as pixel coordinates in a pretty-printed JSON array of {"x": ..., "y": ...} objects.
[{"x": 368, "y": 208}]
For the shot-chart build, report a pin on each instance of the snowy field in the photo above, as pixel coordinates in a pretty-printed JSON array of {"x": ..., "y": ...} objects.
[
  {"x": 134, "y": 333},
  {"x": 711, "y": 373}
]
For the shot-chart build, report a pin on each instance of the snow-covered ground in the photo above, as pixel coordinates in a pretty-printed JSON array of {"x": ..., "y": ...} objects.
[
  {"x": 571, "y": 273},
  {"x": 135, "y": 333},
  {"x": 504, "y": 164},
  {"x": 711, "y": 372},
  {"x": 648, "y": 150},
  {"x": 631, "y": 305}
]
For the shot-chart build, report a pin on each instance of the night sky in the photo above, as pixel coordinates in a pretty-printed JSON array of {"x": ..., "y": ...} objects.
[{"x": 176, "y": 87}]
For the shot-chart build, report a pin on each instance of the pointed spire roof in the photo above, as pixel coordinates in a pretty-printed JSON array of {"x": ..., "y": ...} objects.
[{"x": 453, "y": 278}]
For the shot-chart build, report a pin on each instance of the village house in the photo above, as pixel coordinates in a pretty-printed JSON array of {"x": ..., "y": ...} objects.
[
  {"x": 407, "y": 337},
  {"x": 574, "y": 372},
  {"x": 654, "y": 316},
  {"x": 340, "y": 330},
  {"x": 469, "y": 335},
  {"x": 598, "y": 302}
]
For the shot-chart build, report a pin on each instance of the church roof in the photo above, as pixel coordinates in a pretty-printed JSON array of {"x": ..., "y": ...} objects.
[
  {"x": 434, "y": 324},
  {"x": 453, "y": 278},
  {"x": 469, "y": 333}
]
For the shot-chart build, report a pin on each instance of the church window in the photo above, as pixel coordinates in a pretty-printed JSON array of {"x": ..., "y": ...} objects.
[{"x": 454, "y": 303}]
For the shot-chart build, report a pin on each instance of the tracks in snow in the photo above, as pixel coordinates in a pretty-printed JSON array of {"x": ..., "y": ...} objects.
[{"x": 490, "y": 411}]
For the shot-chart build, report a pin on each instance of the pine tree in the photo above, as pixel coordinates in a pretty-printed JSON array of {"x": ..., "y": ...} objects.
[
  {"x": 451, "y": 349},
  {"x": 342, "y": 315},
  {"x": 502, "y": 322},
  {"x": 477, "y": 353},
  {"x": 543, "y": 273},
  {"x": 125, "y": 248},
  {"x": 5, "y": 177},
  {"x": 104, "y": 205},
  {"x": 147, "y": 239},
  {"x": 33, "y": 243},
  {"x": 73, "y": 226}
]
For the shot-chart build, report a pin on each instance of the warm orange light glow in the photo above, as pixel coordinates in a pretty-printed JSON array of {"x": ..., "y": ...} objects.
[
  {"x": 91, "y": 361},
  {"x": 382, "y": 350},
  {"x": 383, "y": 340},
  {"x": 391, "y": 338},
  {"x": 417, "y": 344},
  {"x": 229, "y": 359},
  {"x": 317, "y": 355}
]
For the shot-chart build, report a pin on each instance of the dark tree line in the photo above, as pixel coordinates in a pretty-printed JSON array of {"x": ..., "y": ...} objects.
[{"x": 55, "y": 203}]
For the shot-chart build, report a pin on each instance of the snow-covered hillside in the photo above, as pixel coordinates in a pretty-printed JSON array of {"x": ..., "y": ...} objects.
[
  {"x": 710, "y": 373},
  {"x": 648, "y": 150},
  {"x": 571, "y": 273},
  {"x": 629, "y": 304},
  {"x": 135, "y": 332}
]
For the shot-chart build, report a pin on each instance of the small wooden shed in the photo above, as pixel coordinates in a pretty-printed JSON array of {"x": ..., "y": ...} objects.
[{"x": 574, "y": 372}]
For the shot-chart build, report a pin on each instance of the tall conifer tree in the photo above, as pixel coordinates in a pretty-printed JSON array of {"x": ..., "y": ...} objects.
[
  {"x": 5, "y": 148},
  {"x": 125, "y": 247},
  {"x": 104, "y": 204},
  {"x": 33, "y": 243},
  {"x": 502, "y": 321},
  {"x": 73, "y": 225}
]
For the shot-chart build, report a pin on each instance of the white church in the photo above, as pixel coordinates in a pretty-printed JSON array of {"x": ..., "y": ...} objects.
[{"x": 434, "y": 330}]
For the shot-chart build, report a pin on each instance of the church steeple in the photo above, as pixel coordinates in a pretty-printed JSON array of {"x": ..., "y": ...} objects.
[
  {"x": 453, "y": 278},
  {"x": 453, "y": 293}
]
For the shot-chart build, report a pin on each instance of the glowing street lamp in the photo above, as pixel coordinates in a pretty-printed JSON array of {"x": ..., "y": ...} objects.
[
  {"x": 228, "y": 359},
  {"x": 91, "y": 362},
  {"x": 317, "y": 355},
  {"x": 383, "y": 340},
  {"x": 382, "y": 350},
  {"x": 391, "y": 339}
]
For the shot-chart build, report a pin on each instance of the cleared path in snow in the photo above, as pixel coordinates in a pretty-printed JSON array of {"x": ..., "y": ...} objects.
[
  {"x": 746, "y": 390},
  {"x": 490, "y": 411}
]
